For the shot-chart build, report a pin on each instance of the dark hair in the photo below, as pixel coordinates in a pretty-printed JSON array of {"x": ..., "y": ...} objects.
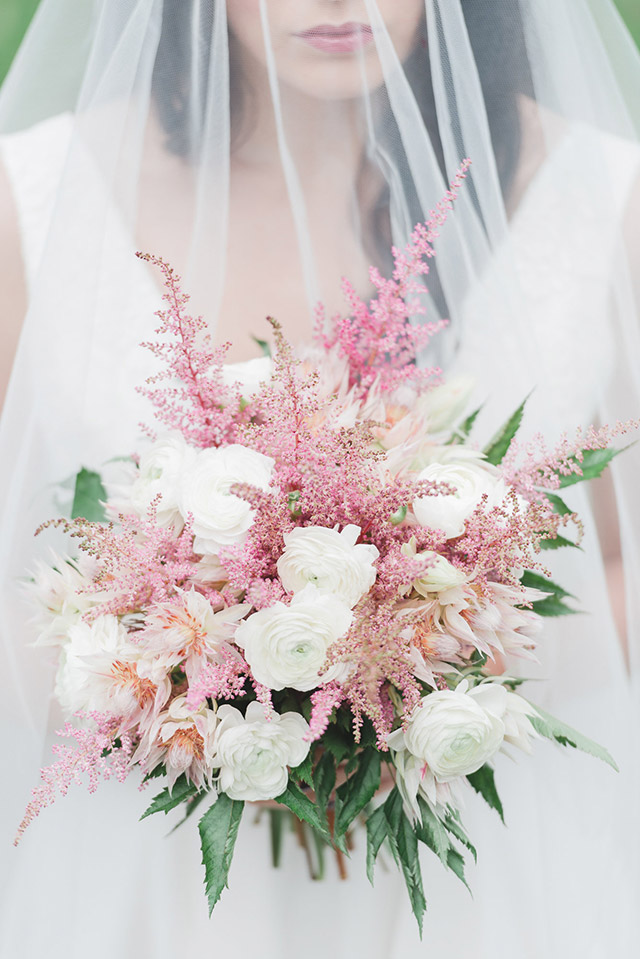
[{"x": 498, "y": 44}]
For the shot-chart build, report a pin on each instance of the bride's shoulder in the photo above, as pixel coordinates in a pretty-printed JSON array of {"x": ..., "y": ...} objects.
[{"x": 31, "y": 162}]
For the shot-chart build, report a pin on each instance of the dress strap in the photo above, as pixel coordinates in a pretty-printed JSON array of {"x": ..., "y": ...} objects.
[{"x": 34, "y": 160}]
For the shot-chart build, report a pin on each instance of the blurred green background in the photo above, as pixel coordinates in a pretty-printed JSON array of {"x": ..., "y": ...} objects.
[{"x": 15, "y": 16}]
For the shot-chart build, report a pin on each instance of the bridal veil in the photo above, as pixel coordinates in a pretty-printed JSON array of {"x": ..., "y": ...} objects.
[{"x": 129, "y": 124}]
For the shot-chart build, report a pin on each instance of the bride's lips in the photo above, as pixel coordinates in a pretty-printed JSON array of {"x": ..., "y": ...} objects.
[{"x": 338, "y": 39}]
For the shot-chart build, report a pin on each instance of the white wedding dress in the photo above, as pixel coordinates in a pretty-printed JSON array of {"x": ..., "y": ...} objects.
[{"x": 90, "y": 882}]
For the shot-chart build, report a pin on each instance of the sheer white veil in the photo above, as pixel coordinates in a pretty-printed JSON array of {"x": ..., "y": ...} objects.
[{"x": 164, "y": 124}]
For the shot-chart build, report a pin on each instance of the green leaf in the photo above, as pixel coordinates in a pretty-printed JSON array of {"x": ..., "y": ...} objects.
[
  {"x": 218, "y": 833},
  {"x": 456, "y": 863},
  {"x": 407, "y": 845},
  {"x": 483, "y": 782},
  {"x": 165, "y": 801},
  {"x": 324, "y": 779},
  {"x": 264, "y": 346},
  {"x": 192, "y": 805},
  {"x": 304, "y": 771},
  {"x": 276, "y": 817},
  {"x": 404, "y": 844},
  {"x": 302, "y": 807},
  {"x": 554, "y": 604},
  {"x": 377, "y": 831},
  {"x": 497, "y": 448},
  {"x": 453, "y": 825},
  {"x": 462, "y": 432},
  {"x": 432, "y": 832},
  {"x": 558, "y": 542},
  {"x": 559, "y": 505},
  {"x": 354, "y": 794},
  {"x": 338, "y": 742},
  {"x": 592, "y": 465},
  {"x": 554, "y": 729},
  {"x": 88, "y": 496}
]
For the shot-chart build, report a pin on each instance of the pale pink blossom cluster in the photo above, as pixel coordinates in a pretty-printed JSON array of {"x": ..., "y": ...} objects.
[{"x": 283, "y": 560}]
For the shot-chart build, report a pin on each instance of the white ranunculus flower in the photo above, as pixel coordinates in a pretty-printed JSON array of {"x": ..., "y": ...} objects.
[
  {"x": 471, "y": 479},
  {"x": 249, "y": 376},
  {"x": 162, "y": 467},
  {"x": 219, "y": 517},
  {"x": 331, "y": 560},
  {"x": 253, "y": 751},
  {"x": 287, "y": 645},
  {"x": 456, "y": 731}
]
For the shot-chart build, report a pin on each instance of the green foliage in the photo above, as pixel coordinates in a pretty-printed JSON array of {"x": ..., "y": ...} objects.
[
  {"x": 554, "y": 729},
  {"x": 377, "y": 832},
  {"x": 167, "y": 800},
  {"x": 303, "y": 807},
  {"x": 461, "y": 433},
  {"x": 358, "y": 790},
  {"x": 497, "y": 448},
  {"x": 554, "y": 604},
  {"x": 304, "y": 772},
  {"x": 218, "y": 830},
  {"x": 264, "y": 346},
  {"x": 324, "y": 779},
  {"x": 592, "y": 465},
  {"x": 88, "y": 497},
  {"x": 483, "y": 781},
  {"x": 558, "y": 542}
]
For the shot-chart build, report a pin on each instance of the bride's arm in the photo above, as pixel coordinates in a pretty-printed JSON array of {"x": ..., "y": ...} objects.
[{"x": 13, "y": 295}]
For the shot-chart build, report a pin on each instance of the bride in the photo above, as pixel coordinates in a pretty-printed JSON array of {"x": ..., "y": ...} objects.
[{"x": 266, "y": 148}]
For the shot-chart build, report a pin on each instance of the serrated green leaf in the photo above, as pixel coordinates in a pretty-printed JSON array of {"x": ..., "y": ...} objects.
[
  {"x": 358, "y": 790},
  {"x": 553, "y": 605},
  {"x": 165, "y": 801},
  {"x": 377, "y": 830},
  {"x": 431, "y": 831},
  {"x": 558, "y": 542},
  {"x": 592, "y": 465},
  {"x": 88, "y": 497},
  {"x": 264, "y": 346},
  {"x": 453, "y": 825},
  {"x": 483, "y": 781},
  {"x": 338, "y": 742},
  {"x": 497, "y": 448},
  {"x": 552, "y": 728},
  {"x": 218, "y": 830},
  {"x": 304, "y": 771},
  {"x": 304, "y": 808},
  {"x": 155, "y": 773},
  {"x": 407, "y": 845},
  {"x": 559, "y": 505},
  {"x": 192, "y": 805},
  {"x": 462, "y": 432},
  {"x": 324, "y": 779},
  {"x": 456, "y": 863}
]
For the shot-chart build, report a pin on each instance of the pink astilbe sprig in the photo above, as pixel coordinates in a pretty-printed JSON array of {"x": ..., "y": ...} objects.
[
  {"x": 378, "y": 646},
  {"x": 221, "y": 680},
  {"x": 190, "y": 394},
  {"x": 137, "y": 562},
  {"x": 379, "y": 340},
  {"x": 100, "y": 753},
  {"x": 534, "y": 467},
  {"x": 323, "y": 701}
]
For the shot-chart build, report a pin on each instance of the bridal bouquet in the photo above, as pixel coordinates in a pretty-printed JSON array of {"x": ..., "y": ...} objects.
[{"x": 308, "y": 576}]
